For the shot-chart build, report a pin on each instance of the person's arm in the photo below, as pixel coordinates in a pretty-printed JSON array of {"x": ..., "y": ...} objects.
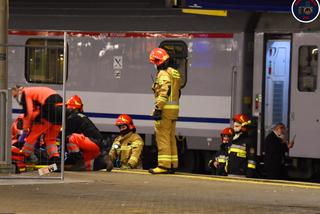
[
  {"x": 164, "y": 90},
  {"x": 137, "y": 147}
]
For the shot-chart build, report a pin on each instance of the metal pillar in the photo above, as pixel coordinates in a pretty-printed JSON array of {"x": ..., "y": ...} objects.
[{"x": 5, "y": 94}]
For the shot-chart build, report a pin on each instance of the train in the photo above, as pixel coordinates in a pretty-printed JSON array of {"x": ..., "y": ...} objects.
[{"x": 262, "y": 64}]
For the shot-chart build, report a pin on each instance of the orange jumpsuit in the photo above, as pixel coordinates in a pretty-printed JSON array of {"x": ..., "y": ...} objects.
[
  {"x": 42, "y": 108},
  {"x": 167, "y": 93}
]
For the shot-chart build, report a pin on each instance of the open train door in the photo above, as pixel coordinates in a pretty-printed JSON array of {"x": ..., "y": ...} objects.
[
  {"x": 271, "y": 82},
  {"x": 305, "y": 94}
]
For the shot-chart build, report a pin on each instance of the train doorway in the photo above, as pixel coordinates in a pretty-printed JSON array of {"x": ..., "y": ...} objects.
[{"x": 276, "y": 82}]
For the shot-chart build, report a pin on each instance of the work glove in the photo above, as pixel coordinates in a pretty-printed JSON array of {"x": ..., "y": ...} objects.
[
  {"x": 156, "y": 114},
  {"x": 22, "y": 137}
]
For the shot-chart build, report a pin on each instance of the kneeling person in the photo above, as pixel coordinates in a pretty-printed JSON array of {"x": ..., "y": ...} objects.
[
  {"x": 85, "y": 144},
  {"x": 127, "y": 147}
]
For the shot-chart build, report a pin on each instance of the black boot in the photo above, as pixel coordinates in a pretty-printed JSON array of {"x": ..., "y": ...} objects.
[
  {"x": 75, "y": 162},
  {"x": 103, "y": 161}
]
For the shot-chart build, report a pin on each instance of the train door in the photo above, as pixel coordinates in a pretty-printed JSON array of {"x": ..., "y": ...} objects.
[
  {"x": 271, "y": 83},
  {"x": 305, "y": 93},
  {"x": 276, "y": 79}
]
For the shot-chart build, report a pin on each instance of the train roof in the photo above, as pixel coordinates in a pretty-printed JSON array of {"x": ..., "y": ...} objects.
[{"x": 144, "y": 15}]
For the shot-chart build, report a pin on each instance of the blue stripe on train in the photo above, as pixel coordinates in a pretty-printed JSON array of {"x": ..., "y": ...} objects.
[{"x": 147, "y": 117}]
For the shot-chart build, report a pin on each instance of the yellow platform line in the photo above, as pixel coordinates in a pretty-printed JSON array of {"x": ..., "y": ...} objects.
[
  {"x": 206, "y": 12},
  {"x": 304, "y": 185}
]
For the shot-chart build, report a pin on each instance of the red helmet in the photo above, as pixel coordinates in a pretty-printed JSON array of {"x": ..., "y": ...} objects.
[
  {"x": 227, "y": 131},
  {"x": 227, "y": 135},
  {"x": 75, "y": 102},
  {"x": 242, "y": 119},
  {"x": 158, "y": 56},
  {"x": 125, "y": 119}
]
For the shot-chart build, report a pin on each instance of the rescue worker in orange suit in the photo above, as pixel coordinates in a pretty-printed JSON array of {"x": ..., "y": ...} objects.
[
  {"x": 42, "y": 109},
  {"x": 17, "y": 131},
  {"x": 17, "y": 155},
  {"x": 166, "y": 90},
  {"x": 276, "y": 147},
  {"x": 221, "y": 157},
  {"x": 85, "y": 145},
  {"x": 127, "y": 147},
  {"x": 242, "y": 152}
]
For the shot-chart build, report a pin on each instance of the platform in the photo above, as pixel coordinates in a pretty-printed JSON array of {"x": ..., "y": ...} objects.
[{"x": 140, "y": 192}]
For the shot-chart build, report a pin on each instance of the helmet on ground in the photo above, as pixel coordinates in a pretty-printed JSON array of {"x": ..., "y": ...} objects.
[
  {"x": 75, "y": 102},
  {"x": 227, "y": 135},
  {"x": 158, "y": 56},
  {"x": 242, "y": 119},
  {"x": 125, "y": 119}
]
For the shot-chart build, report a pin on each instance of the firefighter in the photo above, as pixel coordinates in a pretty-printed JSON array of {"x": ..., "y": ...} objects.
[
  {"x": 221, "y": 157},
  {"x": 85, "y": 145},
  {"x": 17, "y": 131},
  {"x": 127, "y": 147},
  {"x": 241, "y": 160},
  {"x": 166, "y": 90},
  {"x": 42, "y": 109}
]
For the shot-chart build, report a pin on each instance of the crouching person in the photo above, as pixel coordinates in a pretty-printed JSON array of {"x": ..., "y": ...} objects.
[
  {"x": 127, "y": 147},
  {"x": 85, "y": 145},
  {"x": 219, "y": 162}
]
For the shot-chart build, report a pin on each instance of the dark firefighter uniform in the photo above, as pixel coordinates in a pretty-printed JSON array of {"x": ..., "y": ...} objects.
[
  {"x": 241, "y": 154},
  {"x": 242, "y": 151},
  {"x": 85, "y": 144},
  {"x": 222, "y": 158}
]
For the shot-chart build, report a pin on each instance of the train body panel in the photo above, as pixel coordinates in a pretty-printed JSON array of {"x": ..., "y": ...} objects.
[
  {"x": 263, "y": 67},
  {"x": 112, "y": 74}
]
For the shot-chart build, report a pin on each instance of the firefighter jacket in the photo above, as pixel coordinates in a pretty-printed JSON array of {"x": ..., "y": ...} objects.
[
  {"x": 166, "y": 90},
  {"x": 79, "y": 123},
  {"x": 40, "y": 101},
  {"x": 222, "y": 158},
  {"x": 128, "y": 149},
  {"x": 241, "y": 160}
]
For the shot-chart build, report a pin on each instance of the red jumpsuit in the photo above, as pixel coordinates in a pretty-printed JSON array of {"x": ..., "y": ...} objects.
[{"x": 42, "y": 108}]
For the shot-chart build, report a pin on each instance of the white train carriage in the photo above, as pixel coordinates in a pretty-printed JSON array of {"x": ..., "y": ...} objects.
[{"x": 260, "y": 66}]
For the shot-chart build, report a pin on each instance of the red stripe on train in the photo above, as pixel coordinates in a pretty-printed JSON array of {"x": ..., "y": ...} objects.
[{"x": 125, "y": 35}]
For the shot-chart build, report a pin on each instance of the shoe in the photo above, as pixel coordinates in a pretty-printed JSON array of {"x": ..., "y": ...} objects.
[
  {"x": 159, "y": 170},
  {"x": 109, "y": 163},
  {"x": 172, "y": 171},
  {"x": 78, "y": 166}
]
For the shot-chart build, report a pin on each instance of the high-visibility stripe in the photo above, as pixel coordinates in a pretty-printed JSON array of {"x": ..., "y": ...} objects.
[
  {"x": 164, "y": 99},
  {"x": 240, "y": 153},
  {"x": 171, "y": 107},
  {"x": 251, "y": 166}
]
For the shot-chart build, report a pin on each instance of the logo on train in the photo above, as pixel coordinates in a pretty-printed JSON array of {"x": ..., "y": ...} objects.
[{"x": 305, "y": 11}]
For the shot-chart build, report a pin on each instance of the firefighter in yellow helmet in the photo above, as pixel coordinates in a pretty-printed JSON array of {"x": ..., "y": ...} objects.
[
  {"x": 127, "y": 147},
  {"x": 166, "y": 90}
]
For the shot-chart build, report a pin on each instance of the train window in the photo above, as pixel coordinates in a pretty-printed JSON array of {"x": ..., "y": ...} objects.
[
  {"x": 178, "y": 51},
  {"x": 308, "y": 68},
  {"x": 44, "y": 61}
]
